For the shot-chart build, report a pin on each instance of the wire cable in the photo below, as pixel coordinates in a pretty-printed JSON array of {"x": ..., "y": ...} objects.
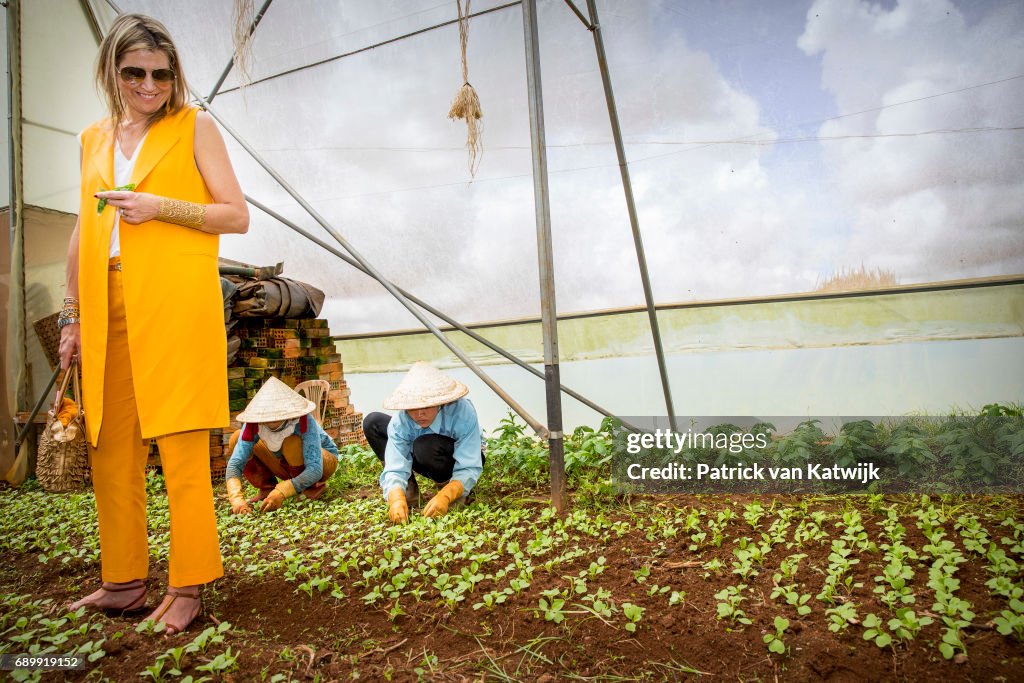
[
  {"x": 369, "y": 47},
  {"x": 701, "y": 145}
]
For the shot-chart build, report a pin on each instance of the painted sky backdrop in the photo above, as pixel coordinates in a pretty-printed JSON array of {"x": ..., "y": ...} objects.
[{"x": 770, "y": 144}]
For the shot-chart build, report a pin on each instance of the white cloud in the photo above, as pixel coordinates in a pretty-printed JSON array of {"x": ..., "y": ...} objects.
[
  {"x": 935, "y": 206},
  {"x": 367, "y": 141},
  {"x": 714, "y": 222}
]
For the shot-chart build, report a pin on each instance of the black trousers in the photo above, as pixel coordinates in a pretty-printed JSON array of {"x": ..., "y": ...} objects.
[{"x": 433, "y": 455}]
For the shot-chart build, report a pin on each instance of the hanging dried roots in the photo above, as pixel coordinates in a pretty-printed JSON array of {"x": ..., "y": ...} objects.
[
  {"x": 243, "y": 13},
  {"x": 466, "y": 106}
]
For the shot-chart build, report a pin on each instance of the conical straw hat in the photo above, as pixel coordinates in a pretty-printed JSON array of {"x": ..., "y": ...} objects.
[
  {"x": 275, "y": 401},
  {"x": 424, "y": 386}
]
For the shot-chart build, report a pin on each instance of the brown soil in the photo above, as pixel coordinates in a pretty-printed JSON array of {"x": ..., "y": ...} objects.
[{"x": 341, "y": 640}]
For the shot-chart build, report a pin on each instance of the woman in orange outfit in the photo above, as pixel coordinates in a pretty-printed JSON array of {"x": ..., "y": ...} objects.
[{"x": 144, "y": 314}]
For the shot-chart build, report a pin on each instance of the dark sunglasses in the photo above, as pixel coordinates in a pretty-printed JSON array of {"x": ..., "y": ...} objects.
[{"x": 135, "y": 75}]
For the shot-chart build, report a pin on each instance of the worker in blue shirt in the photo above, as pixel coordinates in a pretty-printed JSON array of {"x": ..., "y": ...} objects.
[
  {"x": 288, "y": 445},
  {"x": 435, "y": 433}
]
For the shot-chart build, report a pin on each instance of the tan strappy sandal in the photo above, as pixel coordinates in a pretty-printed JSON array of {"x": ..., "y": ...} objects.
[
  {"x": 173, "y": 595},
  {"x": 91, "y": 601}
]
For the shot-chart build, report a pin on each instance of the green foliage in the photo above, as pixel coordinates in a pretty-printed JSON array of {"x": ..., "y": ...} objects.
[
  {"x": 497, "y": 558},
  {"x": 587, "y": 448},
  {"x": 854, "y": 443},
  {"x": 728, "y": 607},
  {"x": 553, "y": 609},
  {"x": 841, "y": 616},
  {"x": 802, "y": 445},
  {"x": 874, "y": 630},
  {"x": 969, "y": 455},
  {"x": 999, "y": 410},
  {"x": 908, "y": 449},
  {"x": 357, "y": 467},
  {"x": 906, "y": 624},
  {"x": 512, "y": 454},
  {"x": 774, "y": 640},
  {"x": 1011, "y": 621},
  {"x": 38, "y": 627},
  {"x": 198, "y": 655},
  {"x": 634, "y": 613}
]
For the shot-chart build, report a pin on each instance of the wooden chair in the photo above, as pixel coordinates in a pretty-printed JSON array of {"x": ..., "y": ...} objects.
[{"x": 315, "y": 390}]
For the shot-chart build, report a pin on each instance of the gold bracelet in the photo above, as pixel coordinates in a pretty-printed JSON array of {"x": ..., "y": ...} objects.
[{"x": 182, "y": 213}]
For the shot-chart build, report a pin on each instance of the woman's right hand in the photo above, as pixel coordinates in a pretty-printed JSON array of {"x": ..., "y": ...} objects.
[{"x": 70, "y": 344}]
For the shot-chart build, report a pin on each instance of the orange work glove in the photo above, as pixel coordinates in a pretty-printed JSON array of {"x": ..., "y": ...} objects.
[
  {"x": 275, "y": 499},
  {"x": 438, "y": 505},
  {"x": 235, "y": 497},
  {"x": 398, "y": 507}
]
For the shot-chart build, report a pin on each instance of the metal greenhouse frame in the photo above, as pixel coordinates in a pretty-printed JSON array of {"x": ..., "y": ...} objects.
[{"x": 553, "y": 430}]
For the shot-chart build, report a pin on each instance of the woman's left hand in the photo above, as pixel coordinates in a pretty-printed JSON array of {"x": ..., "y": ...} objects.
[{"x": 134, "y": 207}]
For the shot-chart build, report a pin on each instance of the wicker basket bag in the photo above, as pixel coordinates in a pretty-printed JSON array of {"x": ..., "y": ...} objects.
[{"x": 62, "y": 463}]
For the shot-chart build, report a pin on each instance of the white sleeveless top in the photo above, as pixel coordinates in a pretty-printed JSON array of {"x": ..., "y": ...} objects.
[{"x": 123, "y": 168}]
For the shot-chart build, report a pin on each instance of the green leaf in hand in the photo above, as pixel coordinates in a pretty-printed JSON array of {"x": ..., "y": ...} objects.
[{"x": 102, "y": 204}]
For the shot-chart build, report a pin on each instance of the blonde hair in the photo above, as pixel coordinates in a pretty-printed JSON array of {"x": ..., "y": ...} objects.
[{"x": 137, "y": 32}]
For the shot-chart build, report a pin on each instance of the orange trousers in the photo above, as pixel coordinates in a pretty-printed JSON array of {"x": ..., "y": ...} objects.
[{"x": 119, "y": 477}]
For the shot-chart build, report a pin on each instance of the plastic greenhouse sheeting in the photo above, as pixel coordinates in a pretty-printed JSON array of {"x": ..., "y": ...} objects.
[
  {"x": 746, "y": 182},
  {"x": 769, "y": 146}
]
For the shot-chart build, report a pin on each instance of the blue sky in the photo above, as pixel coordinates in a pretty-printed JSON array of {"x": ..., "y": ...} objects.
[{"x": 754, "y": 45}]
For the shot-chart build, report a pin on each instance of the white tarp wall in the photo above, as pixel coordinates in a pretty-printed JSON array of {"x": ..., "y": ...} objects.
[
  {"x": 58, "y": 52},
  {"x": 770, "y": 145}
]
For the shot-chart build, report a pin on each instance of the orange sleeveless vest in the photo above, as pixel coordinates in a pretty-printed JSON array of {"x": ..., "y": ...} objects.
[{"x": 172, "y": 293}]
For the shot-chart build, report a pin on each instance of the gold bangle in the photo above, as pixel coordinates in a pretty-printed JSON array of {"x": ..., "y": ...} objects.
[{"x": 182, "y": 213}]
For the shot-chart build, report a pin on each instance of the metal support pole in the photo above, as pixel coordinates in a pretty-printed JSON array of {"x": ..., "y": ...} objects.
[
  {"x": 315, "y": 215},
  {"x": 90, "y": 18},
  {"x": 231, "y": 62},
  {"x": 634, "y": 222},
  {"x": 433, "y": 311},
  {"x": 575, "y": 10},
  {"x": 22, "y": 376},
  {"x": 545, "y": 259}
]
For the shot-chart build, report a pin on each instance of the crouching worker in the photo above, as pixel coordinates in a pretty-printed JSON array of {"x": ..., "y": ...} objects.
[
  {"x": 280, "y": 440},
  {"x": 435, "y": 433}
]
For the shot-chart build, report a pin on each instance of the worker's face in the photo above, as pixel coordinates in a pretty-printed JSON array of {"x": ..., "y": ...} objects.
[
  {"x": 274, "y": 425},
  {"x": 423, "y": 416}
]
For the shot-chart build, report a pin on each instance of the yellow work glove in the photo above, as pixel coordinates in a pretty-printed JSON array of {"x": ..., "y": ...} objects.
[
  {"x": 235, "y": 497},
  {"x": 438, "y": 505},
  {"x": 275, "y": 499},
  {"x": 398, "y": 507}
]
